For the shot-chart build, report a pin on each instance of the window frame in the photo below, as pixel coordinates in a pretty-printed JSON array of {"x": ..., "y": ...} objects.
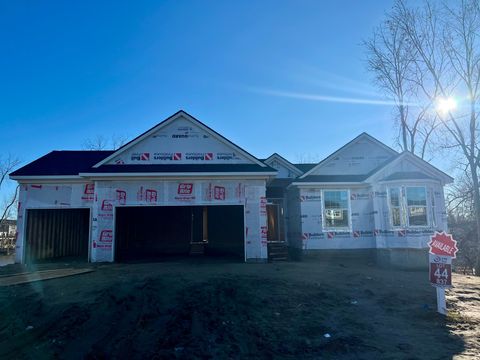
[
  {"x": 404, "y": 207},
  {"x": 349, "y": 212},
  {"x": 400, "y": 207},
  {"x": 407, "y": 207}
]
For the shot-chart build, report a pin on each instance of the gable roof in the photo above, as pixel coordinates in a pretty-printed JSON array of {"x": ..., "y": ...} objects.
[
  {"x": 424, "y": 165},
  {"x": 285, "y": 162},
  {"x": 304, "y": 167},
  {"x": 85, "y": 163},
  {"x": 62, "y": 163},
  {"x": 75, "y": 163},
  {"x": 431, "y": 173},
  {"x": 341, "y": 178},
  {"x": 169, "y": 120},
  {"x": 363, "y": 135}
]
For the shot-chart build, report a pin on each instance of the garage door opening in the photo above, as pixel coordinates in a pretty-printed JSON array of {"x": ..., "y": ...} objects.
[
  {"x": 57, "y": 233},
  {"x": 158, "y": 231}
]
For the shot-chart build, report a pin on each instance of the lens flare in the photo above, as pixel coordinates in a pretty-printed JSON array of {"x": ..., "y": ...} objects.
[{"x": 446, "y": 105}]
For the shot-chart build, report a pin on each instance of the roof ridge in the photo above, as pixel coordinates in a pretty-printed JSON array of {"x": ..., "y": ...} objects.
[{"x": 82, "y": 150}]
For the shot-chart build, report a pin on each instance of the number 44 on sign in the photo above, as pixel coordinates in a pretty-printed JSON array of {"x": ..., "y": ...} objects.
[{"x": 442, "y": 250}]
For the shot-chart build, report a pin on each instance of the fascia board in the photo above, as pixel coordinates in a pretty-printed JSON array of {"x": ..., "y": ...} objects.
[
  {"x": 329, "y": 184},
  {"x": 46, "y": 177},
  {"x": 409, "y": 181},
  {"x": 179, "y": 174}
]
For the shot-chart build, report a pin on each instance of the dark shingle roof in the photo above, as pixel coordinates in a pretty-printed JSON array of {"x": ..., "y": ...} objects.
[
  {"x": 280, "y": 183},
  {"x": 333, "y": 178},
  {"x": 62, "y": 163},
  {"x": 304, "y": 167}
]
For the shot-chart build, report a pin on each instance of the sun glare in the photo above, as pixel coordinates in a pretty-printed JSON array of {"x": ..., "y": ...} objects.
[{"x": 445, "y": 105}]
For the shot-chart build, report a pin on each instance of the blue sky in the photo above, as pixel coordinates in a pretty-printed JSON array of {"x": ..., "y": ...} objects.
[{"x": 74, "y": 70}]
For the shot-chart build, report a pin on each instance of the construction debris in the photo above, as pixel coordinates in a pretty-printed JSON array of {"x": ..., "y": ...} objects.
[{"x": 23, "y": 278}]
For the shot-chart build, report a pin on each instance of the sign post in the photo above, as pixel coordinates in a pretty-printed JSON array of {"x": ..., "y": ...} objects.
[{"x": 442, "y": 250}]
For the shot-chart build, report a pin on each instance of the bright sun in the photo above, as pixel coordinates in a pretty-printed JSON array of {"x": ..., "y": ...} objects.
[{"x": 445, "y": 105}]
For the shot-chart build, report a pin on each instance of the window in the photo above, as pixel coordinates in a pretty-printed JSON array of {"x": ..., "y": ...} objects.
[
  {"x": 336, "y": 209},
  {"x": 395, "y": 206},
  {"x": 417, "y": 206},
  {"x": 408, "y": 206},
  {"x": 432, "y": 211}
]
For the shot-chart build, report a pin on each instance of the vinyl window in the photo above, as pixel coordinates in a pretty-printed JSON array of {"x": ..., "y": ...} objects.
[
  {"x": 408, "y": 206},
  {"x": 395, "y": 207},
  {"x": 416, "y": 198},
  {"x": 336, "y": 209}
]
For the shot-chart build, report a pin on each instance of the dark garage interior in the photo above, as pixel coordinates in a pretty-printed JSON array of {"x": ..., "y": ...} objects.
[
  {"x": 148, "y": 232},
  {"x": 57, "y": 233}
]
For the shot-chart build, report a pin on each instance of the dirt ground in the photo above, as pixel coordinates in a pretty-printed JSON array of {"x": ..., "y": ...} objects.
[{"x": 206, "y": 308}]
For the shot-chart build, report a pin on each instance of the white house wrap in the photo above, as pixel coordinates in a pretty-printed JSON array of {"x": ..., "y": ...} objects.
[
  {"x": 365, "y": 196},
  {"x": 182, "y": 188},
  {"x": 180, "y": 163}
]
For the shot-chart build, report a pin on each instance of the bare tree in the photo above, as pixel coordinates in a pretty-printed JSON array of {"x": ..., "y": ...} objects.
[
  {"x": 461, "y": 220},
  {"x": 391, "y": 58},
  {"x": 7, "y": 165},
  {"x": 307, "y": 158},
  {"x": 443, "y": 40},
  {"x": 101, "y": 142}
]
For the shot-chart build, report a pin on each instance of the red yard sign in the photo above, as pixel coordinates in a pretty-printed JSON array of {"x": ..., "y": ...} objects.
[
  {"x": 441, "y": 274},
  {"x": 443, "y": 244}
]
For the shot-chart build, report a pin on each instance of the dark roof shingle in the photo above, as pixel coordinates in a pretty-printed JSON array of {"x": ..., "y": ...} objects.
[
  {"x": 333, "y": 178},
  {"x": 62, "y": 163},
  {"x": 304, "y": 167}
]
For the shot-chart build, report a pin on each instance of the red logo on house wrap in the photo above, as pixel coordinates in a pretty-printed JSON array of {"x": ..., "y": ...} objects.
[
  {"x": 106, "y": 236},
  {"x": 107, "y": 205},
  {"x": 443, "y": 244},
  {"x": 151, "y": 195},
  {"x": 330, "y": 235},
  {"x": 219, "y": 193},
  {"x": 177, "y": 156},
  {"x": 185, "y": 189},
  {"x": 208, "y": 156},
  {"x": 89, "y": 189},
  {"x": 356, "y": 234},
  {"x": 145, "y": 156},
  {"x": 402, "y": 233},
  {"x": 263, "y": 205},
  {"x": 88, "y": 192},
  {"x": 264, "y": 232},
  {"x": 121, "y": 197}
]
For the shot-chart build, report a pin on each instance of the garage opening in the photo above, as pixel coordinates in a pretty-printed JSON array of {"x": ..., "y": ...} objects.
[
  {"x": 149, "y": 232},
  {"x": 57, "y": 233}
]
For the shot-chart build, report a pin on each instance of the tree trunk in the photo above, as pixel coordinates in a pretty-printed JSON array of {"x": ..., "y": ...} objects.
[
  {"x": 476, "y": 204},
  {"x": 403, "y": 122}
]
